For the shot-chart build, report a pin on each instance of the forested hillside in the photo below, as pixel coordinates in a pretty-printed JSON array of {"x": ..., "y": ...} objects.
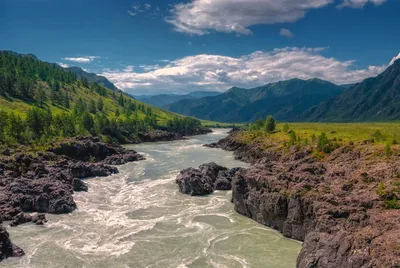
[
  {"x": 374, "y": 99},
  {"x": 40, "y": 102}
]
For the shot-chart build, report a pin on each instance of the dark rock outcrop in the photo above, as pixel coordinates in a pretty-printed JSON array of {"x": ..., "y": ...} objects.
[
  {"x": 205, "y": 180},
  {"x": 193, "y": 182},
  {"x": 8, "y": 249},
  {"x": 333, "y": 206},
  {"x": 45, "y": 181},
  {"x": 21, "y": 218},
  {"x": 159, "y": 135}
]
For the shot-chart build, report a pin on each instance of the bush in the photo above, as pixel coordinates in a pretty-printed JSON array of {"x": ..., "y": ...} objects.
[
  {"x": 270, "y": 124},
  {"x": 286, "y": 127},
  {"x": 391, "y": 203},
  {"x": 325, "y": 145},
  {"x": 388, "y": 150}
]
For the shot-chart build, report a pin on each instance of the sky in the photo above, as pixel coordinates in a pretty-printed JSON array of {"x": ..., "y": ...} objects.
[{"x": 180, "y": 46}]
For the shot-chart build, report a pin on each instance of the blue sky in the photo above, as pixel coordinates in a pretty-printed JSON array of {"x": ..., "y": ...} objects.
[{"x": 158, "y": 46}]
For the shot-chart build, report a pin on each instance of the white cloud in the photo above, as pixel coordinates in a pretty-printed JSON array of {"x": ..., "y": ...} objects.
[
  {"x": 215, "y": 72},
  {"x": 359, "y": 3},
  {"x": 394, "y": 59},
  {"x": 146, "y": 9},
  {"x": 199, "y": 17},
  {"x": 63, "y": 65},
  {"x": 86, "y": 59},
  {"x": 286, "y": 33}
]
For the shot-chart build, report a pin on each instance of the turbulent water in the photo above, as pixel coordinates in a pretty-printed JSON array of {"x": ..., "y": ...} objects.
[{"x": 139, "y": 219}]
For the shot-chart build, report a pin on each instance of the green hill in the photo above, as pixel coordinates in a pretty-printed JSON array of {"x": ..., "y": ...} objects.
[
  {"x": 284, "y": 100},
  {"x": 40, "y": 101}
]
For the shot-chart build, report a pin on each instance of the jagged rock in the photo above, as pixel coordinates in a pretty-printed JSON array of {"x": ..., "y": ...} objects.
[
  {"x": 159, "y": 135},
  {"x": 80, "y": 186},
  {"x": 39, "y": 219},
  {"x": 205, "y": 180},
  {"x": 193, "y": 182},
  {"x": 21, "y": 218},
  {"x": 84, "y": 170},
  {"x": 211, "y": 170},
  {"x": 122, "y": 159},
  {"x": 8, "y": 249},
  {"x": 224, "y": 179}
]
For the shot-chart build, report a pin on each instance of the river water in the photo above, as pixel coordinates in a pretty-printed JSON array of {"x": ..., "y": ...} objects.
[{"x": 138, "y": 218}]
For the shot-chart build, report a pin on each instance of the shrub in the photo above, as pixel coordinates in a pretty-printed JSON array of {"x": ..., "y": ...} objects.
[
  {"x": 325, "y": 145},
  {"x": 377, "y": 135},
  {"x": 292, "y": 136},
  {"x": 286, "y": 127},
  {"x": 391, "y": 203},
  {"x": 388, "y": 150},
  {"x": 381, "y": 191},
  {"x": 270, "y": 124}
]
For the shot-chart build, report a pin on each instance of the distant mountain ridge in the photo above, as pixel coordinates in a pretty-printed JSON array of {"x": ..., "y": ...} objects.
[
  {"x": 162, "y": 100},
  {"x": 285, "y": 100},
  {"x": 374, "y": 99},
  {"x": 92, "y": 78}
]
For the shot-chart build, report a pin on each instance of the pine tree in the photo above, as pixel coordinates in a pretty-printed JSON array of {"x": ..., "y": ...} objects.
[{"x": 270, "y": 124}]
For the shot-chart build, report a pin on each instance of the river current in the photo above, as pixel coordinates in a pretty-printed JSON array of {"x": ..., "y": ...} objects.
[{"x": 138, "y": 218}]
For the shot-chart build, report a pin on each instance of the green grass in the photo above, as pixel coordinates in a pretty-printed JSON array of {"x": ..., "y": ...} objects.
[{"x": 344, "y": 132}]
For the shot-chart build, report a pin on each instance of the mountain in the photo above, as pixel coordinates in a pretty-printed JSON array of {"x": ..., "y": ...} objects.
[
  {"x": 92, "y": 78},
  {"x": 162, "y": 100},
  {"x": 41, "y": 101},
  {"x": 284, "y": 100},
  {"x": 374, "y": 99}
]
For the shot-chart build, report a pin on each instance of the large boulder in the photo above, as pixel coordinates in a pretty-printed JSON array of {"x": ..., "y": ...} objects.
[
  {"x": 8, "y": 249},
  {"x": 206, "y": 179},
  {"x": 192, "y": 182},
  {"x": 159, "y": 135}
]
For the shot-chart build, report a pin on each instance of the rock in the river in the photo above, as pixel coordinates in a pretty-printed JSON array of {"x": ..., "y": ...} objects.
[
  {"x": 159, "y": 135},
  {"x": 192, "y": 182},
  {"x": 80, "y": 186},
  {"x": 121, "y": 159},
  {"x": 8, "y": 249},
  {"x": 21, "y": 218},
  {"x": 205, "y": 180}
]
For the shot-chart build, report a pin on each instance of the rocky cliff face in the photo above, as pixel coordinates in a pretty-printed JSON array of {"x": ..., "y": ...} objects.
[{"x": 339, "y": 207}]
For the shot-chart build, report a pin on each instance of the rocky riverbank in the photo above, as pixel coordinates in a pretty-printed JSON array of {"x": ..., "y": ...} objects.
[
  {"x": 344, "y": 207},
  {"x": 163, "y": 135},
  {"x": 44, "y": 182}
]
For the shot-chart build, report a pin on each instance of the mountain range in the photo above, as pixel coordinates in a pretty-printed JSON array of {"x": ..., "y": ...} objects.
[
  {"x": 374, "y": 99},
  {"x": 162, "y": 100},
  {"x": 285, "y": 100}
]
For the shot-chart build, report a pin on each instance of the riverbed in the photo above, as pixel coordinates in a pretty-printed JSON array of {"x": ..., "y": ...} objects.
[{"x": 138, "y": 218}]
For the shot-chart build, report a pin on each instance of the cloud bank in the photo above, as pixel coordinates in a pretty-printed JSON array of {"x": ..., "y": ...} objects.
[
  {"x": 86, "y": 59},
  {"x": 360, "y": 3},
  {"x": 200, "y": 17},
  {"x": 216, "y": 72}
]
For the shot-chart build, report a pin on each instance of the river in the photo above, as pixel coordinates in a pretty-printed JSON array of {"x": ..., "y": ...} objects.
[{"x": 138, "y": 218}]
